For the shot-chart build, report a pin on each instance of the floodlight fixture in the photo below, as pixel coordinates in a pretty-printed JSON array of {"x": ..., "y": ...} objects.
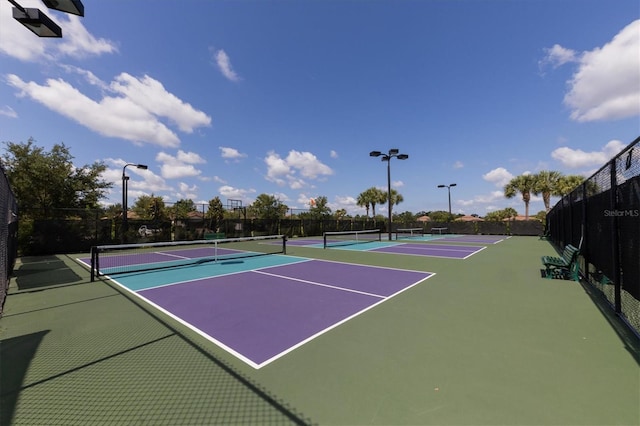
[
  {"x": 37, "y": 22},
  {"x": 394, "y": 152},
  {"x": 75, "y": 7},
  {"x": 449, "y": 191}
]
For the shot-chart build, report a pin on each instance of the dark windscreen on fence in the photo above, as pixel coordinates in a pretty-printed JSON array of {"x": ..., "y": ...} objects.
[
  {"x": 604, "y": 213},
  {"x": 8, "y": 235}
]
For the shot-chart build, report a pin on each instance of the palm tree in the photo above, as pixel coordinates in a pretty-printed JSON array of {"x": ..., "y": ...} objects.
[
  {"x": 363, "y": 201},
  {"x": 568, "y": 183},
  {"x": 370, "y": 198},
  {"x": 396, "y": 197},
  {"x": 378, "y": 196},
  {"x": 524, "y": 185},
  {"x": 546, "y": 183}
]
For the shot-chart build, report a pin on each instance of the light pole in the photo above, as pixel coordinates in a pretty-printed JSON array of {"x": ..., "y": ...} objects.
[
  {"x": 39, "y": 23},
  {"x": 449, "y": 190},
  {"x": 125, "y": 188},
  {"x": 387, "y": 157}
]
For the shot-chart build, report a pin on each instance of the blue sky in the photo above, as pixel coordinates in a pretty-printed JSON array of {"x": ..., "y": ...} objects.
[{"x": 239, "y": 98}]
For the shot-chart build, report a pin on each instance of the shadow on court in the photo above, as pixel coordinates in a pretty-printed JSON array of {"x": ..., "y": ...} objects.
[
  {"x": 79, "y": 354},
  {"x": 39, "y": 272}
]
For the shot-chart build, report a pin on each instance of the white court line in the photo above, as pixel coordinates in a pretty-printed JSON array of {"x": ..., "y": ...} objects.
[{"x": 320, "y": 284}]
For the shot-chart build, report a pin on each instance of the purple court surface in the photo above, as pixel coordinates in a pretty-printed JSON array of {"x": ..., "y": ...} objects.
[
  {"x": 433, "y": 250},
  {"x": 261, "y": 315}
]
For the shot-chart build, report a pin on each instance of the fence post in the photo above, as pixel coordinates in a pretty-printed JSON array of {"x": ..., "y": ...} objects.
[{"x": 615, "y": 250}]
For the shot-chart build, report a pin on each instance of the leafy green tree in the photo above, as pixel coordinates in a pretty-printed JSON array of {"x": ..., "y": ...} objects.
[
  {"x": 45, "y": 180},
  {"x": 267, "y": 206},
  {"x": 523, "y": 184},
  {"x": 150, "y": 207},
  {"x": 500, "y": 215},
  {"x": 439, "y": 216},
  {"x": 320, "y": 209},
  {"x": 215, "y": 213},
  {"x": 405, "y": 218},
  {"x": 340, "y": 214},
  {"x": 182, "y": 208}
]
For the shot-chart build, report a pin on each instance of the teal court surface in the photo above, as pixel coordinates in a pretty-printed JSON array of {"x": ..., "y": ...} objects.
[{"x": 480, "y": 340}]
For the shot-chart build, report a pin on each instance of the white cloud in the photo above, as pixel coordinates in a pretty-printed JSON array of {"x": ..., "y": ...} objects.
[
  {"x": 499, "y": 176},
  {"x": 286, "y": 170},
  {"x": 133, "y": 115},
  {"x": 397, "y": 184},
  {"x": 606, "y": 85},
  {"x": 224, "y": 64},
  {"x": 230, "y": 192},
  {"x": 458, "y": 165},
  {"x": 7, "y": 111},
  {"x": 558, "y": 55},
  {"x": 179, "y": 166},
  {"x": 18, "y": 42},
  {"x": 150, "y": 183},
  {"x": 492, "y": 197},
  {"x": 333, "y": 154},
  {"x": 577, "y": 158},
  {"x": 187, "y": 192},
  {"x": 231, "y": 153}
]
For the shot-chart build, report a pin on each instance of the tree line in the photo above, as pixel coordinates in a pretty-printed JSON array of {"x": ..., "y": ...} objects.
[{"x": 44, "y": 180}]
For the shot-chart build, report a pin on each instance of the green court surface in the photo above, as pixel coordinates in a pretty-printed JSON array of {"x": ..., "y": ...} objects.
[{"x": 486, "y": 341}]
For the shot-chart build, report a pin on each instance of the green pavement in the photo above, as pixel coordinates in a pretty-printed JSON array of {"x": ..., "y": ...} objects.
[{"x": 486, "y": 341}]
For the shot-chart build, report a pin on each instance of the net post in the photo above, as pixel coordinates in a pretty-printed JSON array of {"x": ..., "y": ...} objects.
[
  {"x": 284, "y": 244},
  {"x": 93, "y": 263}
]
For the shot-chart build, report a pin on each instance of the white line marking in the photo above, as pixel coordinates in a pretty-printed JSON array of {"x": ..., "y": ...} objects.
[{"x": 320, "y": 284}]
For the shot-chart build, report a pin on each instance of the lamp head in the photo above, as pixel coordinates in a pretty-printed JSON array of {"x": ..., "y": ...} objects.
[
  {"x": 453, "y": 184},
  {"x": 402, "y": 157},
  {"x": 375, "y": 154},
  {"x": 142, "y": 166},
  {"x": 394, "y": 151},
  {"x": 74, "y": 7},
  {"x": 442, "y": 186}
]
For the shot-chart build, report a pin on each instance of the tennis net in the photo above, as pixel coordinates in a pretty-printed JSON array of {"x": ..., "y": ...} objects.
[
  {"x": 342, "y": 238},
  {"x": 402, "y": 233},
  {"x": 127, "y": 258}
]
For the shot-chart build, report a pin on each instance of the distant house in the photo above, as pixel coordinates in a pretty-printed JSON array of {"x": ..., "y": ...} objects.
[
  {"x": 423, "y": 219},
  {"x": 468, "y": 218},
  {"x": 520, "y": 217}
]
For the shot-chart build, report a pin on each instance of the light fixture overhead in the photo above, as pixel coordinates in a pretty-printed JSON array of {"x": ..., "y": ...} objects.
[
  {"x": 37, "y": 22},
  {"x": 74, "y": 7}
]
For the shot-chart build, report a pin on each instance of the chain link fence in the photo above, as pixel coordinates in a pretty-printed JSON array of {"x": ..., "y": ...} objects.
[
  {"x": 8, "y": 235},
  {"x": 602, "y": 217}
]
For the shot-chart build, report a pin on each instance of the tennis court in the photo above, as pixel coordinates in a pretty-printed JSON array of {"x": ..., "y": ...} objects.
[
  {"x": 371, "y": 241},
  {"x": 482, "y": 341},
  {"x": 258, "y": 308}
]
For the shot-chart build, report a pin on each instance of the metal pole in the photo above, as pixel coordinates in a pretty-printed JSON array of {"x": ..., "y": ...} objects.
[
  {"x": 449, "y": 190},
  {"x": 389, "y": 192},
  {"x": 124, "y": 206}
]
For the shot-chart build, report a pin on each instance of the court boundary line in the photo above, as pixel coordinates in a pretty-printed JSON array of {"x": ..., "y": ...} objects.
[
  {"x": 135, "y": 295},
  {"x": 319, "y": 284},
  {"x": 344, "y": 320},
  {"x": 424, "y": 255}
]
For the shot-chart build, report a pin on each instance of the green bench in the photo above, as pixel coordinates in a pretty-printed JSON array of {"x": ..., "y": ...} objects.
[{"x": 563, "y": 267}]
